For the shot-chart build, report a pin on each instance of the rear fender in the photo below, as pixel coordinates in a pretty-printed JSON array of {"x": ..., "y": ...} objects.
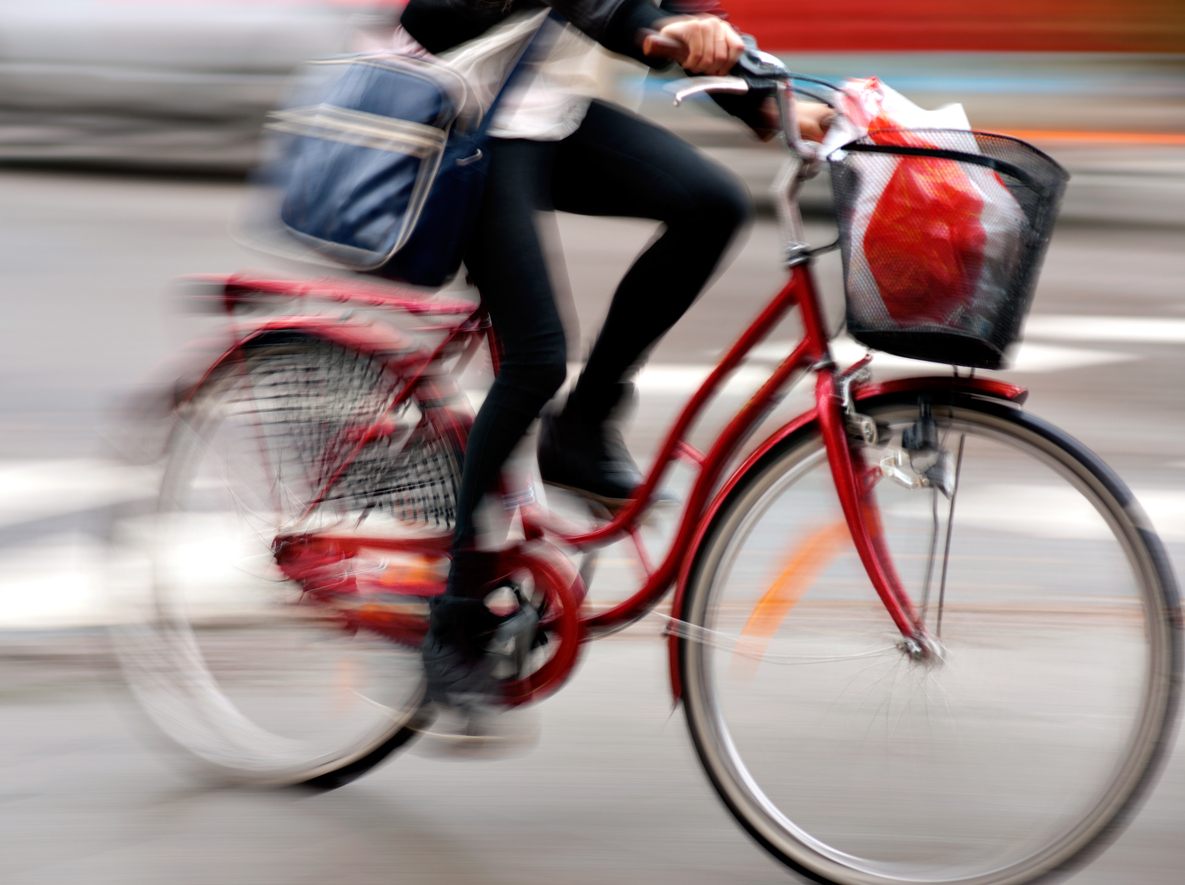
[
  {"x": 981, "y": 387},
  {"x": 387, "y": 344},
  {"x": 144, "y": 419}
]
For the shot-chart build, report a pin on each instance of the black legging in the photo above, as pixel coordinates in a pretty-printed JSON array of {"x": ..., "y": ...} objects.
[{"x": 615, "y": 164}]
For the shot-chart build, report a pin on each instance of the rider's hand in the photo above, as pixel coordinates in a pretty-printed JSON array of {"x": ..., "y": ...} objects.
[
  {"x": 813, "y": 118},
  {"x": 713, "y": 45}
]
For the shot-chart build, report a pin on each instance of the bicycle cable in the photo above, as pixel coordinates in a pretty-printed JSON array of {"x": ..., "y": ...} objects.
[{"x": 716, "y": 639}]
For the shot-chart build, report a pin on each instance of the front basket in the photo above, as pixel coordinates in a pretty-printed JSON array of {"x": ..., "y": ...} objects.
[{"x": 942, "y": 234}]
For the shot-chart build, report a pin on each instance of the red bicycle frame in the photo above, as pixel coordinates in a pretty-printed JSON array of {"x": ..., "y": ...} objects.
[{"x": 853, "y": 480}]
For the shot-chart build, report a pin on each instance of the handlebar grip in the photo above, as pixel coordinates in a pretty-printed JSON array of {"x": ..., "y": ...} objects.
[{"x": 655, "y": 45}]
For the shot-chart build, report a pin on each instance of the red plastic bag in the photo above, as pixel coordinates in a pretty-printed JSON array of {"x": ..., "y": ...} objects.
[
  {"x": 925, "y": 242},
  {"x": 938, "y": 230}
]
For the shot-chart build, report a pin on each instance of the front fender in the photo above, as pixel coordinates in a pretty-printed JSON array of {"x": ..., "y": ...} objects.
[{"x": 982, "y": 387}]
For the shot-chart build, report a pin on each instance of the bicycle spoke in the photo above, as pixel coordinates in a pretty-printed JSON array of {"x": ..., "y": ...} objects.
[
  {"x": 950, "y": 521},
  {"x": 744, "y": 647},
  {"x": 924, "y": 607}
]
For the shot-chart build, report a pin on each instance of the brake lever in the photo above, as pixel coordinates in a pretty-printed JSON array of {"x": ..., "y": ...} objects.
[
  {"x": 754, "y": 70},
  {"x": 683, "y": 90}
]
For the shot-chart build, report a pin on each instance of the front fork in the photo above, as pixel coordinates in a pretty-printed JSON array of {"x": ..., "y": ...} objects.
[{"x": 855, "y": 481}]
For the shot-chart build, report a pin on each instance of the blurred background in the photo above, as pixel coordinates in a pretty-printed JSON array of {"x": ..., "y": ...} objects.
[{"x": 126, "y": 129}]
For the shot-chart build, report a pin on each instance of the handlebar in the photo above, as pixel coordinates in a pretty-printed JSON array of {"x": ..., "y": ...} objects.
[
  {"x": 656, "y": 45},
  {"x": 754, "y": 70}
]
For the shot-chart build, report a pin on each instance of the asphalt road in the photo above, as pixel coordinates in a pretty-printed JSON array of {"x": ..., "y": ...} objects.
[{"x": 612, "y": 792}]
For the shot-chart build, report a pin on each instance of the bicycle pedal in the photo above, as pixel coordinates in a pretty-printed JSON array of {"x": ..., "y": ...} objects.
[{"x": 513, "y": 640}]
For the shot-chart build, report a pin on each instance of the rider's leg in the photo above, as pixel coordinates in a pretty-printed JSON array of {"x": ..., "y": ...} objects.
[
  {"x": 619, "y": 164},
  {"x": 507, "y": 264}
]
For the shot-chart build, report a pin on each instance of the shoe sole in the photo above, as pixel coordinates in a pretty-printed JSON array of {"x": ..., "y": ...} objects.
[
  {"x": 611, "y": 503},
  {"x": 662, "y": 499}
]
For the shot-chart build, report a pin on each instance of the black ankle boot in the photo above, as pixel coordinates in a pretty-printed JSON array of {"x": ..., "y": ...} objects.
[
  {"x": 460, "y": 628},
  {"x": 580, "y": 450}
]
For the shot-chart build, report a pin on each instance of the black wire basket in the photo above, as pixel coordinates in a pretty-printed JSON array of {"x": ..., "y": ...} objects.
[{"x": 943, "y": 233}]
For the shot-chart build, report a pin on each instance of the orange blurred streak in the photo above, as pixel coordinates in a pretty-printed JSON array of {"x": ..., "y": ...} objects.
[
  {"x": 1167, "y": 138},
  {"x": 411, "y": 572},
  {"x": 806, "y": 563}
]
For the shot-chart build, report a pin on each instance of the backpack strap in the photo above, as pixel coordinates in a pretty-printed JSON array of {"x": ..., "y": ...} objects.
[{"x": 532, "y": 48}]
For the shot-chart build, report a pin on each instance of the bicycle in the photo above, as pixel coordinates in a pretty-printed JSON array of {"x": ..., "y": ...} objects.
[{"x": 919, "y": 634}]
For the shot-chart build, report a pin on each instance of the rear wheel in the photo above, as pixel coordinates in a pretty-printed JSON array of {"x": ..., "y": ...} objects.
[
  {"x": 1001, "y": 760},
  {"x": 235, "y": 662}
]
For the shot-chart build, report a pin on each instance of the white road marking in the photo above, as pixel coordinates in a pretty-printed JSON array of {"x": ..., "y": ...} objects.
[
  {"x": 1029, "y": 356},
  {"x": 1130, "y": 330},
  {"x": 686, "y": 378},
  {"x": 1166, "y": 509},
  {"x": 60, "y": 581},
  {"x": 35, "y": 489},
  {"x": 55, "y": 584},
  {"x": 1054, "y": 511}
]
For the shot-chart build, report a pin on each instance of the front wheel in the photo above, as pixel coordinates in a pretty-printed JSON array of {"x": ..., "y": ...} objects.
[{"x": 1001, "y": 759}]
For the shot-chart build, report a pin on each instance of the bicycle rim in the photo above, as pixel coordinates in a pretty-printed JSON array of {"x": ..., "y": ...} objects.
[
  {"x": 238, "y": 665},
  {"x": 1003, "y": 761}
]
